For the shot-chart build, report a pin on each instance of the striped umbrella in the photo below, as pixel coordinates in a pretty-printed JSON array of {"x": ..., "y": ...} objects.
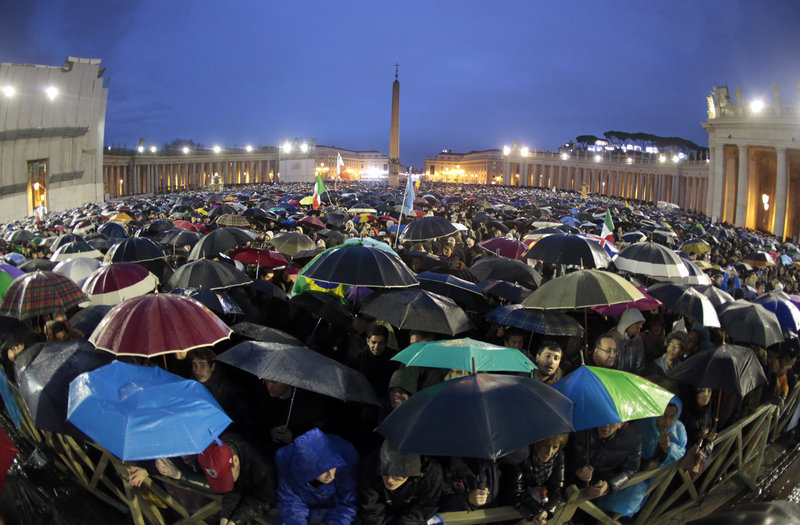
[
  {"x": 113, "y": 283},
  {"x": 651, "y": 259},
  {"x": 40, "y": 293}
]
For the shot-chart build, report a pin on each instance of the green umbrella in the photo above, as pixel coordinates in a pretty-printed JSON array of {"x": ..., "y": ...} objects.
[
  {"x": 604, "y": 395},
  {"x": 465, "y": 354},
  {"x": 582, "y": 289}
]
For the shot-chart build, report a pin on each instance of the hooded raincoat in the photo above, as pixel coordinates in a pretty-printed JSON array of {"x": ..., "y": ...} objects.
[{"x": 300, "y": 497}]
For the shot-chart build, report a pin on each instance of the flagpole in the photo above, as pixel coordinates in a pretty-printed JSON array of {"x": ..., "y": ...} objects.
[{"x": 402, "y": 212}]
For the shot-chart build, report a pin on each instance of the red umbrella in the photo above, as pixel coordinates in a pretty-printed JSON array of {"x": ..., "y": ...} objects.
[
  {"x": 646, "y": 304},
  {"x": 113, "y": 283},
  {"x": 40, "y": 293},
  {"x": 259, "y": 256},
  {"x": 510, "y": 248},
  {"x": 157, "y": 324},
  {"x": 7, "y": 454},
  {"x": 314, "y": 222},
  {"x": 186, "y": 225}
]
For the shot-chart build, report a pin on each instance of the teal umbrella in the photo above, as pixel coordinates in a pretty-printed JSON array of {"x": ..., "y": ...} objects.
[{"x": 465, "y": 354}]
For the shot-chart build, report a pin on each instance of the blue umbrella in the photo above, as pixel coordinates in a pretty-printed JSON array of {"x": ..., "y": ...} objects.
[
  {"x": 137, "y": 412},
  {"x": 784, "y": 309}
]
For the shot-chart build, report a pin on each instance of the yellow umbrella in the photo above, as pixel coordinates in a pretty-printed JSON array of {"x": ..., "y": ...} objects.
[
  {"x": 201, "y": 211},
  {"x": 121, "y": 217},
  {"x": 697, "y": 246},
  {"x": 305, "y": 201}
]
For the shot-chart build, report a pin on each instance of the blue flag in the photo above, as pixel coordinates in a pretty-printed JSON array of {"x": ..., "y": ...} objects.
[{"x": 408, "y": 206}]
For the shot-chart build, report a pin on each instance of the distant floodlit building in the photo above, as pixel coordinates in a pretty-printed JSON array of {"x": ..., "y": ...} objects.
[
  {"x": 475, "y": 167},
  {"x": 358, "y": 165},
  {"x": 754, "y": 172},
  {"x": 52, "y": 121}
]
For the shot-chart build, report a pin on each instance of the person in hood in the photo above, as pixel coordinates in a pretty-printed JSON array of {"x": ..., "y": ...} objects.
[
  {"x": 630, "y": 347},
  {"x": 399, "y": 489},
  {"x": 317, "y": 480}
]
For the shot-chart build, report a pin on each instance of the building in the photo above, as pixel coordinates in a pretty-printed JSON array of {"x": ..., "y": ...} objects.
[
  {"x": 754, "y": 176},
  {"x": 52, "y": 121},
  {"x": 475, "y": 167},
  {"x": 359, "y": 165}
]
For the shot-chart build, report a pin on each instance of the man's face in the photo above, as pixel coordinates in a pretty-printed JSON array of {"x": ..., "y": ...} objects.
[
  {"x": 607, "y": 431},
  {"x": 515, "y": 341},
  {"x": 634, "y": 329},
  {"x": 376, "y": 344},
  {"x": 667, "y": 419},
  {"x": 548, "y": 360},
  {"x": 397, "y": 396},
  {"x": 394, "y": 482},
  {"x": 605, "y": 353},
  {"x": 202, "y": 369},
  {"x": 674, "y": 349},
  {"x": 327, "y": 477}
]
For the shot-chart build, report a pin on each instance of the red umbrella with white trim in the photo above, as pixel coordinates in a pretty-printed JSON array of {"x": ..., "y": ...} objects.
[{"x": 113, "y": 283}]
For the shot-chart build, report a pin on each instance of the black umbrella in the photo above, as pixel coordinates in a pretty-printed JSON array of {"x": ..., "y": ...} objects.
[
  {"x": 216, "y": 301},
  {"x": 221, "y": 210},
  {"x": 300, "y": 367},
  {"x": 219, "y": 241},
  {"x": 265, "y": 334},
  {"x": 37, "y": 264},
  {"x": 750, "y": 323},
  {"x": 667, "y": 292},
  {"x": 478, "y": 416},
  {"x": 505, "y": 269},
  {"x": 44, "y": 385},
  {"x": 134, "y": 249},
  {"x": 697, "y": 307},
  {"x": 155, "y": 228},
  {"x": 651, "y": 259},
  {"x": 21, "y": 236},
  {"x": 87, "y": 319},
  {"x": 427, "y": 228},
  {"x": 567, "y": 248},
  {"x": 206, "y": 273},
  {"x": 291, "y": 243},
  {"x": 270, "y": 289},
  {"x": 64, "y": 239},
  {"x": 180, "y": 237},
  {"x": 511, "y": 292},
  {"x": 715, "y": 295},
  {"x": 731, "y": 368},
  {"x": 360, "y": 265},
  {"x": 464, "y": 293},
  {"x": 418, "y": 309},
  {"x": 323, "y": 305}
]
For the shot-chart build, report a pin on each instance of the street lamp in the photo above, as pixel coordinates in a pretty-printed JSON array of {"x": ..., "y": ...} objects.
[
  {"x": 304, "y": 147},
  {"x": 248, "y": 148},
  {"x": 120, "y": 186},
  {"x": 153, "y": 149},
  {"x": 52, "y": 92},
  {"x": 9, "y": 91}
]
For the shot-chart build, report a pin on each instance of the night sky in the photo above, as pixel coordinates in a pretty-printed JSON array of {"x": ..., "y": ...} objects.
[{"x": 474, "y": 75}]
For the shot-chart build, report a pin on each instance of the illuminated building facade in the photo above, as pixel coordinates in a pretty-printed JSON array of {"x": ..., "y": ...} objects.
[
  {"x": 754, "y": 176},
  {"x": 52, "y": 121},
  {"x": 360, "y": 165},
  {"x": 475, "y": 167}
]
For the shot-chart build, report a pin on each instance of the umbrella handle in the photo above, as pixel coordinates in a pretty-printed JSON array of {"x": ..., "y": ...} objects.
[{"x": 291, "y": 405}]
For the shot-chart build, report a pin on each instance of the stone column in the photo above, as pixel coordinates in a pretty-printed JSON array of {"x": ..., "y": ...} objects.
[
  {"x": 781, "y": 193},
  {"x": 716, "y": 174},
  {"x": 506, "y": 172},
  {"x": 741, "y": 186}
]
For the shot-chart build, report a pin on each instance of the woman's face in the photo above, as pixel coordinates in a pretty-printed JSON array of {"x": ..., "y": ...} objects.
[
  {"x": 546, "y": 450},
  {"x": 703, "y": 396}
]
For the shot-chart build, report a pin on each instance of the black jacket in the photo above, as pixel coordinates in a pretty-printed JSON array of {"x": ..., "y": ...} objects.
[
  {"x": 413, "y": 503},
  {"x": 529, "y": 476},
  {"x": 615, "y": 459}
]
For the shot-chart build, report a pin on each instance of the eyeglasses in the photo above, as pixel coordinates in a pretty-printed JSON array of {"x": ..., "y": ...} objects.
[
  {"x": 606, "y": 350},
  {"x": 675, "y": 345}
]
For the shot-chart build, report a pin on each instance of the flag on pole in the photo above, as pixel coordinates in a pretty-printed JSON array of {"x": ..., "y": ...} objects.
[
  {"x": 319, "y": 189},
  {"x": 340, "y": 168},
  {"x": 408, "y": 199},
  {"x": 608, "y": 228}
]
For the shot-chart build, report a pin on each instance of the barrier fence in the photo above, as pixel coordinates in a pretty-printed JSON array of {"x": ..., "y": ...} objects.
[{"x": 738, "y": 454}]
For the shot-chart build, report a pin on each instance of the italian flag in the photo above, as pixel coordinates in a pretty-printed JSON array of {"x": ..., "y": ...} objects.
[
  {"x": 319, "y": 189},
  {"x": 608, "y": 228}
]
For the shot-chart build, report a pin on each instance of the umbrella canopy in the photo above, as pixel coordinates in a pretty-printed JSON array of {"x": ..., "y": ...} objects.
[
  {"x": 511, "y": 292},
  {"x": 231, "y": 219},
  {"x": 731, "y": 368},
  {"x": 143, "y": 412},
  {"x": 180, "y": 237},
  {"x": 784, "y": 309},
  {"x": 87, "y": 319},
  {"x": 40, "y": 293},
  {"x": 113, "y": 283},
  {"x": 75, "y": 250},
  {"x": 45, "y": 383},
  {"x": 478, "y": 416},
  {"x": 360, "y": 265},
  {"x": 464, "y": 293},
  {"x": 64, "y": 239},
  {"x": 7, "y": 275},
  {"x": 465, "y": 354},
  {"x": 37, "y": 264},
  {"x": 697, "y": 307},
  {"x": 696, "y": 274},
  {"x": 759, "y": 259},
  {"x": 260, "y": 257},
  {"x": 134, "y": 249},
  {"x": 502, "y": 268},
  {"x": 264, "y": 334},
  {"x": 301, "y": 367},
  {"x": 220, "y": 241},
  {"x": 647, "y": 304},
  {"x": 7, "y": 454},
  {"x": 503, "y": 247},
  {"x": 750, "y": 323},
  {"x": 206, "y": 273},
  {"x": 567, "y": 248},
  {"x": 536, "y": 321},
  {"x": 667, "y": 292},
  {"x": 418, "y": 309},
  {"x": 78, "y": 270},
  {"x": 603, "y": 396},
  {"x": 715, "y": 295},
  {"x": 583, "y": 289},
  {"x": 157, "y": 324},
  {"x": 218, "y": 302},
  {"x": 651, "y": 259},
  {"x": 113, "y": 230},
  {"x": 427, "y": 228},
  {"x": 290, "y": 243}
]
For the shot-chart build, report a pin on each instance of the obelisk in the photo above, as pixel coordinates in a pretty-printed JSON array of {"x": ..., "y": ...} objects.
[{"x": 394, "y": 133}]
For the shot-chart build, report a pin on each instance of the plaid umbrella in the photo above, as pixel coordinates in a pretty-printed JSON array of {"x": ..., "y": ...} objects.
[
  {"x": 536, "y": 321},
  {"x": 40, "y": 293},
  {"x": 231, "y": 219}
]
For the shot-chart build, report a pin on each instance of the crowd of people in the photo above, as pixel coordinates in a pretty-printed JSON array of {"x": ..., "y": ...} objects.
[{"x": 319, "y": 460}]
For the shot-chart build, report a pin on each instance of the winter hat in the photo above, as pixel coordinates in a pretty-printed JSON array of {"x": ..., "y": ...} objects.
[{"x": 393, "y": 463}]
